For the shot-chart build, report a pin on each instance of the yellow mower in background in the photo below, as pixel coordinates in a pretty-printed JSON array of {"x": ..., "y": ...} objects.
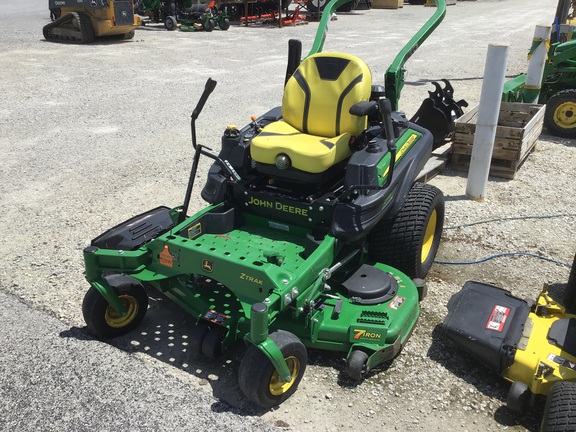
[
  {"x": 80, "y": 21},
  {"x": 531, "y": 345}
]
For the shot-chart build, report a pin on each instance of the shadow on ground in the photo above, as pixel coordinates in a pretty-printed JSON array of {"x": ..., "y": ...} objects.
[
  {"x": 463, "y": 365},
  {"x": 164, "y": 335}
]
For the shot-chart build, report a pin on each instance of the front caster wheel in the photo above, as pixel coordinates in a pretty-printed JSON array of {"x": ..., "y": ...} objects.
[
  {"x": 259, "y": 380},
  {"x": 356, "y": 364},
  {"x": 102, "y": 319},
  {"x": 518, "y": 397}
]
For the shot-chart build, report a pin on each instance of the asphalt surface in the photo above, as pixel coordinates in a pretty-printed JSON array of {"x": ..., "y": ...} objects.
[{"x": 57, "y": 378}]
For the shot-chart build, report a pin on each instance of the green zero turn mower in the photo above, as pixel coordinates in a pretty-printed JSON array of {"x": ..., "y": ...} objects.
[{"x": 317, "y": 234}]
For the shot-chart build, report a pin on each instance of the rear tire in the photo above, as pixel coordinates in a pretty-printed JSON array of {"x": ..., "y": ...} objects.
[
  {"x": 560, "y": 408},
  {"x": 410, "y": 241},
  {"x": 560, "y": 114},
  {"x": 570, "y": 291}
]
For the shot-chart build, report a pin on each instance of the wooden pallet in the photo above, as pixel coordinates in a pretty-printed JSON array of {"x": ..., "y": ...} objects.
[
  {"x": 387, "y": 4},
  {"x": 518, "y": 129},
  {"x": 436, "y": 163}
]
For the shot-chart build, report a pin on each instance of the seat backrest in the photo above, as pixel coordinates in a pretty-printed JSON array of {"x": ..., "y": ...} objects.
[{"x": 318, "y": 96}]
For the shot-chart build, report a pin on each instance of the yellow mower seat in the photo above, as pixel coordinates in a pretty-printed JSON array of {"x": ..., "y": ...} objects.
[{"x": 316, "y": 125}]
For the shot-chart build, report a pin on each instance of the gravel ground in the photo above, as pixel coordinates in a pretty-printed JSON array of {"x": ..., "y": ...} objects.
[{"x": 92, "y": 135}]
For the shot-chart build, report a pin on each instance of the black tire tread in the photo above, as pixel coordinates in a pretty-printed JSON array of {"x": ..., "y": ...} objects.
[
  {"x": 94, "y": 306},
  {"x": 396, "y": 242},
  {"x": 356, "y": 364},
  {"x": 560, "y": 408},
  {"x": 256, "y": 369},
  {"x": 86, "y": 29}
]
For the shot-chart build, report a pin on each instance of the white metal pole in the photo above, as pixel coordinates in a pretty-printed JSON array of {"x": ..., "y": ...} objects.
[
  {"x": 537, "y": 61},
  {"x": 488, "y": 110}
]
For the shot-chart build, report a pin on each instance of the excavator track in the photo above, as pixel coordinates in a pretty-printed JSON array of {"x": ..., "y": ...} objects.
[{"x": 72, "y": 27}]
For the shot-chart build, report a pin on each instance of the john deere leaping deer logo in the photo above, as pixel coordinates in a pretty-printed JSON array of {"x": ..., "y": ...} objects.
[{"x": 207, "y": 265}]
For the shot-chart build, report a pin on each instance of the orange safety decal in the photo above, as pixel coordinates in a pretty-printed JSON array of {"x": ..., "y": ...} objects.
[
  {"x": 498, "y": 318},
  {"x": 166, "y": 257}
]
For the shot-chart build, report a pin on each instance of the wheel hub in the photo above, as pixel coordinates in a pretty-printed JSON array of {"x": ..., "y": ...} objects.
[
  {"x": 565, "y": 115},
  {"x": 115, "y": 320},
  {"x": 429, "y": 237},
  {"x": 279, "y": 387}
]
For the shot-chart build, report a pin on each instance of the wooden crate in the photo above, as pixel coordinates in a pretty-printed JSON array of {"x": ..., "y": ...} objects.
[
  {"x": 518, "y": 129},
  {"x": 387, "y": 4}
]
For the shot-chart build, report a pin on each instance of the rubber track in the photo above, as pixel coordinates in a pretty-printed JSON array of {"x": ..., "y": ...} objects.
[
  {"x": 396, "y": 242},
  {"x": 83, "y": 35},
  {"x": 560, "y": 411}
]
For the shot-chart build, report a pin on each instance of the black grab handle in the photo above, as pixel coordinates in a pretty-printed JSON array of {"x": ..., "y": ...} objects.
[{"x": 208, "y": 88}]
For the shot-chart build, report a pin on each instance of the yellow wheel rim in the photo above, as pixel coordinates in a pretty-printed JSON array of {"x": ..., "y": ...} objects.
[
  {"x": 429, "y": 237},
  {"x": 118, "y": 321},
  {"x": 565, "y": 115},
  {"x": 277, "y": 386}
]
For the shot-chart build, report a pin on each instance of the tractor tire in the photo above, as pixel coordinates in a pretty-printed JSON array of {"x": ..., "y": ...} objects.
[
  {"x": 224, "y": 24},
  {"x": 409, "y": 242},
  {"x": 259, "y": 380},
  {"x": 356, "y": 364},
  {"x": 560, "y": 114},
  {"x": 560, "y": 408},
  {"x": 129, "y": 35},
  {"x": 209, "y": 25},
  {"x": 170, "y": 23},
  {"x": 103, "y": 320},
  {"x": 417, "y": 2}
]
